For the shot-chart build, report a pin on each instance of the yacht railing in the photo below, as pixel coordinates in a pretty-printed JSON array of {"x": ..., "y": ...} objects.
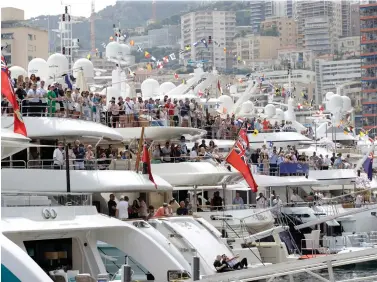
[{"x": 27, "y": 199}]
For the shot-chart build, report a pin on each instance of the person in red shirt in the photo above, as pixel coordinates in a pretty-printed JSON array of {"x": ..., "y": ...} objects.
[
  {"x": 162, "y": 211},
  {"x": 170, "y": 109},
  {"x": 266, "y": 124}
]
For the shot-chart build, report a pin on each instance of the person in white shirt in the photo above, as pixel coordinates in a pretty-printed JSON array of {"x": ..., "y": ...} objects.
[
  {"x": 58, "y": 156},
  {"x": 122, "y": 208},
  {"x": 129, "y": 110},
  {"x": 34, "y": 99},
  {"x": 295, "y": 198},
  {"x": 261, "y": 201},
  {"x": 358, "y": 201},
  {"x": 43, "y": 95}
]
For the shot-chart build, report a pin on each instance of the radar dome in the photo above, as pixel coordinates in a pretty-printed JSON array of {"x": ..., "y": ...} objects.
[
  {"x": 85, "y": 65},
  {"x": 279, "y": 114},
  {"x": 233, "y": 89},
  {"x": 16, "y": 71},
  {"x": 150, "y": 87},
  {"x": 335, "y": 103},
  {"x": 270, "y": 110},
  {"x": 57, "y": 65},
  {"x": 226, "y": 103},
  {"x": 347, "y": 105},
  {"x": 166, "y": 87},
  {"x": 38, "y": 67},
  {"x": 329, "y": 95},
  {"x": 247, "y": 107},
  {"x": 125, "y": 50},
  {"x": 113, "y": 50}
]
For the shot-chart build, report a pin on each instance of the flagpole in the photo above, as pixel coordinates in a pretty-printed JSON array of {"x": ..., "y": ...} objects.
[{"x": 140, "y": 148}]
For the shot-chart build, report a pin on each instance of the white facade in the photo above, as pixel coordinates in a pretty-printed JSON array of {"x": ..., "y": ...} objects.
[
  {"x": 298, "y": 58},
  {"x": 305, "y": 10},
  {"x": 331, "y": 74},
  {"x": 220, "y": 25},
  {"x": 349, "y": 45},
  {"x": 317, "y": 35}
]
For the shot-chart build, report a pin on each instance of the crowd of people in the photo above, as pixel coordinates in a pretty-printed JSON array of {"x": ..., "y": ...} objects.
[{"x": 35, "y": 98}]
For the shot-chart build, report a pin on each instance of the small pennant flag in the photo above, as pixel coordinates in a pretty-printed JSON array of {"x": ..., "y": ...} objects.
[
  {"x": 166, "y": 59},
  {"x": 139, "y": 49},
  {"x": 181, "y": 51},
  {"x": 147, "y": 55},
  {"x": 224, "y": 50},
  {"x": 200, "y": 93},
  {"x": 160, "y": 65},
  {"x": 188, "y": 47},
  {"x": 183, "y": 81},
  {"x": 132, "y": 42},
  {"x": 195, "y": 44},
  {"x": 149, "y": 67},
  {"x": 204, "y": 42},
  {"x": 89, "y": 57},
  {"x": 228, "y": 86},
  {"x": 216, "y": 43},
  {"x": 103, "y": 44},
  {"x": 219, "y": 87},
  {"x": 255, "y": 132},
  {"x": 153, "y": 58},
  {"x": 176, "y": 76},
  {"x": 172, "y": 56}
]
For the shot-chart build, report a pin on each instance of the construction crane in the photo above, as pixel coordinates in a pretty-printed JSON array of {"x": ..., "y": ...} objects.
[
  {"x": 154, "y": 10},
  {"x": 92, "y": 28}
]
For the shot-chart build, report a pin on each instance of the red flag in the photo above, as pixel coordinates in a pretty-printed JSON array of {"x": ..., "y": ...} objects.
[
  {"x": 237, "y": 159},
  {"x": 147, "y": 161},
  {"x": 8, "y": 91},
  {"x": 219, "y": 87}
]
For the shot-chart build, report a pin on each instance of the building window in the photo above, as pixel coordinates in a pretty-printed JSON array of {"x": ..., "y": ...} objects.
[
  {"x": 35, "y": 37},
  {"x": 30, "y": 58},
  {"x": 7, "y": 36},
  {"x": 30, "y": 48},
  {"x": 8, "y": 59},
  {"x": 30, "y": 36}
]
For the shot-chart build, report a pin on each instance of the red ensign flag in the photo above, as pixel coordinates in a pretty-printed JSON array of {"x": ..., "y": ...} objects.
[
  {"x": 147, "y": 161},
  {"x": 8, "y": 92},
  {"x": 237, "y": 159}
]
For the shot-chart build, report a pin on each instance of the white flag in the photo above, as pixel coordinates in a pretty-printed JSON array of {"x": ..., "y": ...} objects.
[
  {"x": 172, "y": 56},
  {"x": 153, "y": 58}
]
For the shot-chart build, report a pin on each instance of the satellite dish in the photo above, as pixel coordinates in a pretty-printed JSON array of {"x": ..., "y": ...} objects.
[
  {"x": 335, "y": 104},
  {"x": 125, "y": 49},
  {"x": 347, "y": 105},
  {"x": 279, "y": 114},
  {"x": 226, "y": 103},
  {"x": 113, "y": 50},
  {"x": 85, "y": 65},
  {"x": 38, "y": 67},
  {"x": 92, "y": 89},
  {"x": 270, "y": 110},
  {"x": 166, "y": 87},
  {"x": 329, "y": 95},
  {"x": 247, "y": 107},
  {"x": 16, "y": 71},
  {"x": 57, "y": 65},
  {"x": 233, "y": 89},
  {"x": 150, "y": 87}
]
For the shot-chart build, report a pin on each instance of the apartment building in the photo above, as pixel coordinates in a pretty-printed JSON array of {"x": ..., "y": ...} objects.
[
  {"x": 331, "y": 74},
  {"x": 368, "y": 32},
  {"x": 349, "y": 46},
  {"x": 285, "y": 27},
  {"x": 220, "y": 26},
  {"x": 318, "y": 35},
  {"x": 23, "y": 43},
  {"x": 329, "y": 12},
  {"x": 256, "y": 47},
  {"x": 299, "y": 58},
  {"x": 167, "y": 36}
]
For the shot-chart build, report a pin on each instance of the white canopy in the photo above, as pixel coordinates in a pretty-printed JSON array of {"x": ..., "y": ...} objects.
[
  {"x": 51, "y": 127},
  {"x": 279, "y": 181},
  {"x": 84, "y": 181},
  {"x": 277, "y": 137},
  {"x": 159, "y": 132}
]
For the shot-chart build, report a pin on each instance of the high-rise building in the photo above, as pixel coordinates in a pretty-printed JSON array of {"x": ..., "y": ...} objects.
[
  {"x": 285, "y": 29},
  {"x": 309, "y": 10},
  {"x": 368, "y": 54},
  {"x": 216, "y": 26},
  {"x": 346, "y": 18},
  {"x": 355, "y": 19},
  {"x": 264, "y": 9},
  {"x": 317, "y": 35},
  {"x": 23, "y": 43},
  {"x": 331, "y": 74}
]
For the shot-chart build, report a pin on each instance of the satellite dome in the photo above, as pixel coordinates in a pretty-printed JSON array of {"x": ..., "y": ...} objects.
[
  {"x": 247, "y": 107},
  {"x": 16, "y": 71},
  {"x": 150, "y": 87},
  {"x": 57, "y": 65},
  {"x": 233, "y": 89},
  {"x": 270, "y": 110},
  {"x": 126, "y": 50},
  {"x": 113, "y": 50},
  {"x": 335, "y": 104},
  {"x": 329, "y": 95},
  {"x": 38, "y": 67},
  {"x": 166, "y": 87},
  {"x": 226, "y": 103},
  {"x": 279, "y": 114},
  {"x": 87, "y": 67},
  {"x": 347, "y": 105}
]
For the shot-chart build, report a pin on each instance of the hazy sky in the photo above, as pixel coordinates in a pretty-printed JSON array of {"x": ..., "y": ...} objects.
[{"x": 34, "y": 8}]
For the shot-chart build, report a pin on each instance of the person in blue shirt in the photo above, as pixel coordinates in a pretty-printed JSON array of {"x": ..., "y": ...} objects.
[
  {"x": 182, "y": 210},
  {"x": 238, "y": 201},
  {"x": 273, "y": 162},
  {"x": 79, "y": 152}
]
